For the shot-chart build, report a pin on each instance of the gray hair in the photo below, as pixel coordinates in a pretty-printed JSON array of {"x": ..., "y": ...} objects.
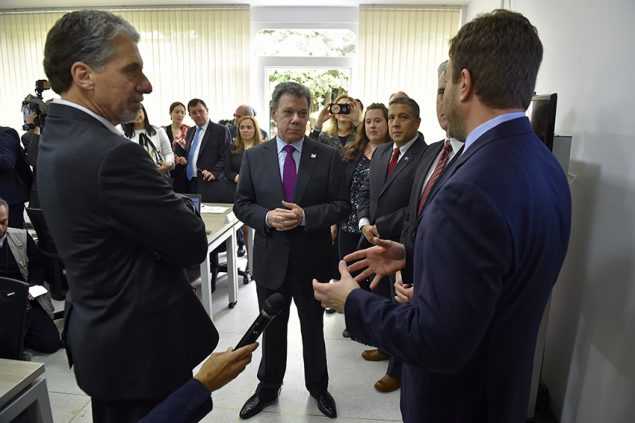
[
  {"x": 291, "y": 88},
  {"x": 443, "y": 68},
  {"x": 3, "y": 203},
  {"x": 82, "y": 36}
]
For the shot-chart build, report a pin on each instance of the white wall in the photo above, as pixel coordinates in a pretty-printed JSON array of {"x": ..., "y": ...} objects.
[{"x": 590, "y": 355}]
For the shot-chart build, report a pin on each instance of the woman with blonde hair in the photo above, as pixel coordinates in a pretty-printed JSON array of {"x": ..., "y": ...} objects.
[
  {"x": 337, "y": 122},
  {"x": 248, "y": 135}
]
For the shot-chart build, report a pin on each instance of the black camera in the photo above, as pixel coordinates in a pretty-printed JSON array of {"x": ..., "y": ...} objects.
[
  {"x": 34, "y": 104},
  {"x": 340, "y": 109}
]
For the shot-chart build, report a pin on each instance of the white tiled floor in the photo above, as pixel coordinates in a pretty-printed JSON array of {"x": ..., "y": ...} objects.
[{"x": 351, "y": 378}]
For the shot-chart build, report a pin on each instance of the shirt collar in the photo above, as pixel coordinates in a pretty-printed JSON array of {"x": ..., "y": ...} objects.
[
  {"x": 104, "y": 121},
  {"x": 297, "y": 145},
  {"x": 204, "y": 127},
  {"x": 486, "y": 126},
  {"x": 404, "y": 148},
  {"x": 455, "y": 144}
]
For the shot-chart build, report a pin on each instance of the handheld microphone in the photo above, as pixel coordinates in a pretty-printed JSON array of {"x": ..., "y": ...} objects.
[{"x": 272, "y": 307}]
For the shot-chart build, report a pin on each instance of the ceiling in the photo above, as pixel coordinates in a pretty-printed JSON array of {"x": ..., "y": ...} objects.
[{"x": 47, "y": 4}]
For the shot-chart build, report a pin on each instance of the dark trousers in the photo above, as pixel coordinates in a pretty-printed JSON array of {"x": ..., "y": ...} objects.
[
  {"x": 346, "y": 242},
  {"x": 123, "y": 411},
  {"x": 274, "y": 341},
  {"x": 41, "y": 333}
]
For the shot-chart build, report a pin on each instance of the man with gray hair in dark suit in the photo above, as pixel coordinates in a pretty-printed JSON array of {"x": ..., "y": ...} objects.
[{"x": 134, "y": 328}]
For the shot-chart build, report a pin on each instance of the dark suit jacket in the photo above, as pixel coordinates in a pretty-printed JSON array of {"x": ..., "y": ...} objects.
[
  {"x": 214, "y": 144},
  {"x": 135, "y": 329},
  {"x": 489, "y": 248},
  {"x": 319, "y": 191},
  {"x": 15, "y": 174},
  {"x": 189, "y": 404},
  {"x": 387, "y": 198}
]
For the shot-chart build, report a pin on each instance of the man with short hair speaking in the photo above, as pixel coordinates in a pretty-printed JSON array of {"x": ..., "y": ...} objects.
[
  {"x": 489, "y": 246},
  {"x": 134, "y": 328}
]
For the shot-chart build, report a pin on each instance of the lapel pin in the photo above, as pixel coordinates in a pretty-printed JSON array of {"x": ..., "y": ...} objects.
[{"x": 313, "y": 156}]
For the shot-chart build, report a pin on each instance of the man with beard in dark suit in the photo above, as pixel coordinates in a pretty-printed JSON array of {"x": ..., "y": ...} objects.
[
  {"x": 133, "y": 327},
  {"x": 290, "y": 192},
  {"x": 489, "y": 245}
]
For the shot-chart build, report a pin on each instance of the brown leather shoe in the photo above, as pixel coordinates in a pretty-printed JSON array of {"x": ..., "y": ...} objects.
[
  {"x": 387, "y": 384},
  {"x": 374, "y": 355}
]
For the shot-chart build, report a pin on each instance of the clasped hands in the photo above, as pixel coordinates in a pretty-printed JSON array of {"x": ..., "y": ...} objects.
[
  {"x": 382, "y": 259},
  {"x": 285, "y": 219}
]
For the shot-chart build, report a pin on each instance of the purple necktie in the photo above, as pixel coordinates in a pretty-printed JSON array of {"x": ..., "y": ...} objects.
[{"x": 289, "y": 174}]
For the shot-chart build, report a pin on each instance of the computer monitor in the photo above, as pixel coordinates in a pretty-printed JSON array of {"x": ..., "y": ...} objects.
[{"x": 542, "y": 112}]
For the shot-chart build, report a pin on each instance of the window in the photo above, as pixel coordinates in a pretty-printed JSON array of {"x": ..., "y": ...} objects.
[{"x": 305, "y": 42}]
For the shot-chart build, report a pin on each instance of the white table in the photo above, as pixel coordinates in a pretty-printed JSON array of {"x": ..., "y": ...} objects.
[
  {"x": 221, "y": 226},
  {"x": 23, "y": 387}
]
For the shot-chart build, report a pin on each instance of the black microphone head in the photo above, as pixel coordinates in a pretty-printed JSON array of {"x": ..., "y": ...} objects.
[{"x": 273, "y": 304}]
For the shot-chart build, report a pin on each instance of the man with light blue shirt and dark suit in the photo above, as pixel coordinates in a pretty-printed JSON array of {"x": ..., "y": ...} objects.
[
  {"x": 290, "y": 192},
  {"x": 489, "y": 246}
]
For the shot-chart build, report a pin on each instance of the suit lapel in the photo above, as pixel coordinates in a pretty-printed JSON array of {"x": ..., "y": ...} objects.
[
  {"x": 308, "y": 160},
  {"x": 206, "y": 136},
  {"x": 404, "y": 162},
  {"x": 422, "y": 171},
  {"x": 271, "y": 170},
  {"x": 379, "y": 177}
]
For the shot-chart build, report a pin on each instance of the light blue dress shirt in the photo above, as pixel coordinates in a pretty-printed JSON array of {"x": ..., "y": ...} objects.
[
  {"x": 282, "y": 155},
  {"x": 486, "y": 126}
]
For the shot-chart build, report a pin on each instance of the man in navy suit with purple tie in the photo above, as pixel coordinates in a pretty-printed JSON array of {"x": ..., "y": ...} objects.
[{"x": 489, "y": 246}]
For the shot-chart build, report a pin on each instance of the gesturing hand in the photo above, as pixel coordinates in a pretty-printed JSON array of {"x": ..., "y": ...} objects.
[
  {"x": 221, "y": 368},
  {"x": 207, "y": 175},
  {"x": 383, "y": 259},
  {"x": 334, "y": 295},
  {"x": 403, "y": 291}
]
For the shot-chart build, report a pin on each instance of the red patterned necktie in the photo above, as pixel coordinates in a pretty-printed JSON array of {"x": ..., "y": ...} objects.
[
  {"x": 393, "y": 161},
  {"x": 438, "y": 171}
]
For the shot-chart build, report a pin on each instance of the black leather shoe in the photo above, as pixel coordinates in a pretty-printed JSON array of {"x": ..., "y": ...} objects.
[
  {"x": 326, "y": 404},
  {"x": 254, "y": 405}
]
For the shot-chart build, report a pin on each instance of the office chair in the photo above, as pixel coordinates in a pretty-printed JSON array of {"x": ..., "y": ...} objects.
[
  {"x": 14, "y": 298},
  {"x": 215, "y": 267},
  {"x": 56, "y": 277}
]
